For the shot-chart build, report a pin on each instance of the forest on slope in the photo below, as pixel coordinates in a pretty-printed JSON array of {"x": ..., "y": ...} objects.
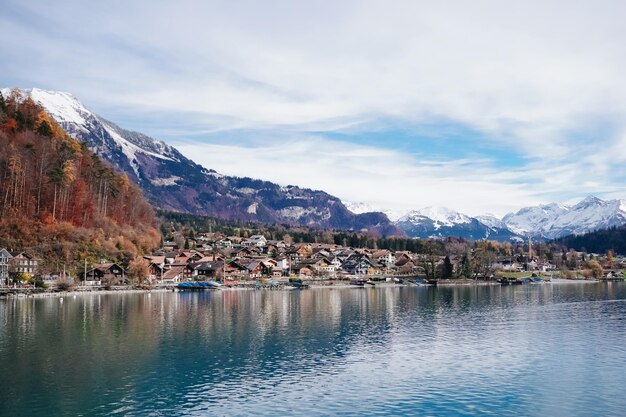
[
  {"x": 600, "y": 241},
  {"x": 59, "y": 201}
]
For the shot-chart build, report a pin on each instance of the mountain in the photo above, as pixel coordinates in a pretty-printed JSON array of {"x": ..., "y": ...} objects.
[
  {"x": 554, "y": 220},
  {"x": 173, "y": 182},
  {"x": 360, "y": 208},
  {"x": 443, "y": 222},
  {"x": 548, "y": 221},
  {"x": 60, "y": 201}
]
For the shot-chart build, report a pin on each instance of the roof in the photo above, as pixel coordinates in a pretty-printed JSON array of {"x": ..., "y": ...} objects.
[{"x": 173, "y": 272}]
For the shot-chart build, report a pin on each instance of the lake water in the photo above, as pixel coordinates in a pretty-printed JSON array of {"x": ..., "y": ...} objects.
[{"x": 536, "y": 350}]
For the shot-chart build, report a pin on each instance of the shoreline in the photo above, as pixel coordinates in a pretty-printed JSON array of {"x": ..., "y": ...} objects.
[{"x": 26, "y": 293}]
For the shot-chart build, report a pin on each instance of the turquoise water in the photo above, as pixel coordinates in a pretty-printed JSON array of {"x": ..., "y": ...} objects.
[{"x": 537, "y": 350}]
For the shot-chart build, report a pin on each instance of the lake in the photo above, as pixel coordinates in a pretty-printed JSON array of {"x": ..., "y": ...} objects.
[{"x": 536, "y": 350}]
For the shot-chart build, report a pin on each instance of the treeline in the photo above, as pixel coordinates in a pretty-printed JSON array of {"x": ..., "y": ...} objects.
[
  {"x": 600, "y": 241},
  {"x": 176, "y": 225},
  {"x": 58, "y": 199}
]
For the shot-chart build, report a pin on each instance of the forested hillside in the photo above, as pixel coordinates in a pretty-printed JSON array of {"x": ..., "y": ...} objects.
[
  {"x": 600, "y": 241},
  {"x": 58, "y": 200}
]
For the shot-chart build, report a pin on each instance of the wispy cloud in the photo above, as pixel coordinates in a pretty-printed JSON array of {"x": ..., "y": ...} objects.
[{"x": 539, "y": 81}]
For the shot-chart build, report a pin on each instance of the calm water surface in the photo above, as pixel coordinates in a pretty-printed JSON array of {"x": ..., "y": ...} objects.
[{"x": 538, "y": 350}]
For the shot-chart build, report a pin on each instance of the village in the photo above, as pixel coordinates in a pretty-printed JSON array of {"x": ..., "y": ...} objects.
[{"x": 237, "y": 261}]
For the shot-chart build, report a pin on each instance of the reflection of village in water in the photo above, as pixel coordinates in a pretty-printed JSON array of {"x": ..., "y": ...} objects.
[{"x": 236, "y": 343}]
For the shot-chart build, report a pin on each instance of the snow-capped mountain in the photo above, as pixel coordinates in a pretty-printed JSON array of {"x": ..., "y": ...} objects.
[
  {"x": 360, "y": 208},
  {"x": 535, "y": 219},
  {"x": 554, "y": 220},
  {"x": 443, "y": 222},
  {"x": 548, "y": 221},
  {"x": 172, "y": 181},
  {"x": 491, "y": 220}
]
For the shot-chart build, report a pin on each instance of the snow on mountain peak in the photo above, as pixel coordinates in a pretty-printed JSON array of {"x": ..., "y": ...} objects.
[
  {"x": 64, "y": 107},
  {"x": 444, "y": 215},
  {"x": 440, "y": 216},
  {"x": 491, "y": 220},
  {"x": 361, "y": 207}
]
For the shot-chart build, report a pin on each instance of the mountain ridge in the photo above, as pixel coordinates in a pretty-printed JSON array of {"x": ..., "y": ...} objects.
[{"x": 173, "y": 182}]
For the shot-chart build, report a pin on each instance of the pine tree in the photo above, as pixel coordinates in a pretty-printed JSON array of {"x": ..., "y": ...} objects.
[{"x": 447, "y": 269}]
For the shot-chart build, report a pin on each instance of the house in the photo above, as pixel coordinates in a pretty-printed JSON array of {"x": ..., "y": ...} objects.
[
  {"x": 384, "y": 257},
  {"x": 318, "y": 266},
  {"x": 302, "y": 270},
  {"x": 359, "y": 264},
  {"x": 299, "y": 252},
  {"x": 23, "y": 262},
  {"x": 405, "y": 265},
  {"x": 107, "y": 272},
  {"x": 255, "y": 240},
  {"x": 224, "y": 243},
  {"x": 173, "y": 275},
  {"x": 156, "y": 267},
  {"x": 212, "y": 269},
  {"x": 5, "y": 259}
]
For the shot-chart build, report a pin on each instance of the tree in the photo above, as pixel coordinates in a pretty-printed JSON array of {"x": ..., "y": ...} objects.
[
  {"x": 465, "y": 269},
  {"x": 139, "y": 270},
  {"x": 446, "y": 268},
  {"x": 596, "y": 269}
]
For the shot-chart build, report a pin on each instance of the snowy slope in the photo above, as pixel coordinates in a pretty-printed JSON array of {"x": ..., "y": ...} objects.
[
  {"x": 360, "y": 208},
  {"x": 173, "y": 182},
  {"x": 443, "y": 222},
  {"x": 556, "y": 220},
  {"x": 533, "y": 220},
  {"x": 122, "y": 148}
]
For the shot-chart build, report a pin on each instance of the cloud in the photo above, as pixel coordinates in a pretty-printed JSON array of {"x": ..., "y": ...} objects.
[
  {"x": 384, "y": 178},
  {"x": 541, "y": 80}
]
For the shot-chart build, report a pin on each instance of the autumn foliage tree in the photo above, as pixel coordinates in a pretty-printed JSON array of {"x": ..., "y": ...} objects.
[
  {"x": 57, "y": 198},
  {"x": 139, "y": 270}
]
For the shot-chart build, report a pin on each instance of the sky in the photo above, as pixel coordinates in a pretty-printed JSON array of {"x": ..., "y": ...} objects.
[{"x": 482, "y": 106}]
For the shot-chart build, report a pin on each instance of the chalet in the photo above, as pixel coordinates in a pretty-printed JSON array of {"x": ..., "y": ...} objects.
[
  {"x": 235, "y": 269},
  {"x": 156, "y": 266},
  {"x": 405, "y": 265},
  {"x": 319, "y": 266},
  {"x": 279, "y": 244},
  {"x": 107, "y": 272},
  {"x": 359, "y": 264},
  {"x": 343, "y": 254},
  {"x": 257, "y": 268},
  {"x": 319, "y": 253},
  {"x": 23, "y": 262},
  {"x": 247, "y": 252},
  {"x": 212, "y": 269},
  {"x": 255, "y": 240},
  {"x": 5, "y": 259},
  {"x": 282, "y": 263},
  {"x": 384, "y": 257},
  {"x": 224, "y": 243},
  {"x": 302, "y": 270},
  {"x": 173, "y": 275},
  {"x": 298, "y": 253},
  {"x": 508, "y": 263}
]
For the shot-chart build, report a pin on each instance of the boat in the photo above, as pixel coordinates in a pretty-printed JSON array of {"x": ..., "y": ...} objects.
[
  {"x": 370, "y": 282},
  {"x": 360, "y": 282},
  {"x": 198, "y": 285}
]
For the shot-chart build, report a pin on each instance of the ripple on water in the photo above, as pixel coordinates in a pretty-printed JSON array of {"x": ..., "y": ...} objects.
[{"x": 529, "y": 350}]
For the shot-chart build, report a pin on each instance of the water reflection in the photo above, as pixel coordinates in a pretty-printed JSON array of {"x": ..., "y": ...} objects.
[{"x": 531, "y": 350}]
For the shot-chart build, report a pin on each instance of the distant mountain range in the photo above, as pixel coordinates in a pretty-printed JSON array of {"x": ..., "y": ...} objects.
[
  {"x": 173, "y": 182},
  {"x": 548, "y": 221}
]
